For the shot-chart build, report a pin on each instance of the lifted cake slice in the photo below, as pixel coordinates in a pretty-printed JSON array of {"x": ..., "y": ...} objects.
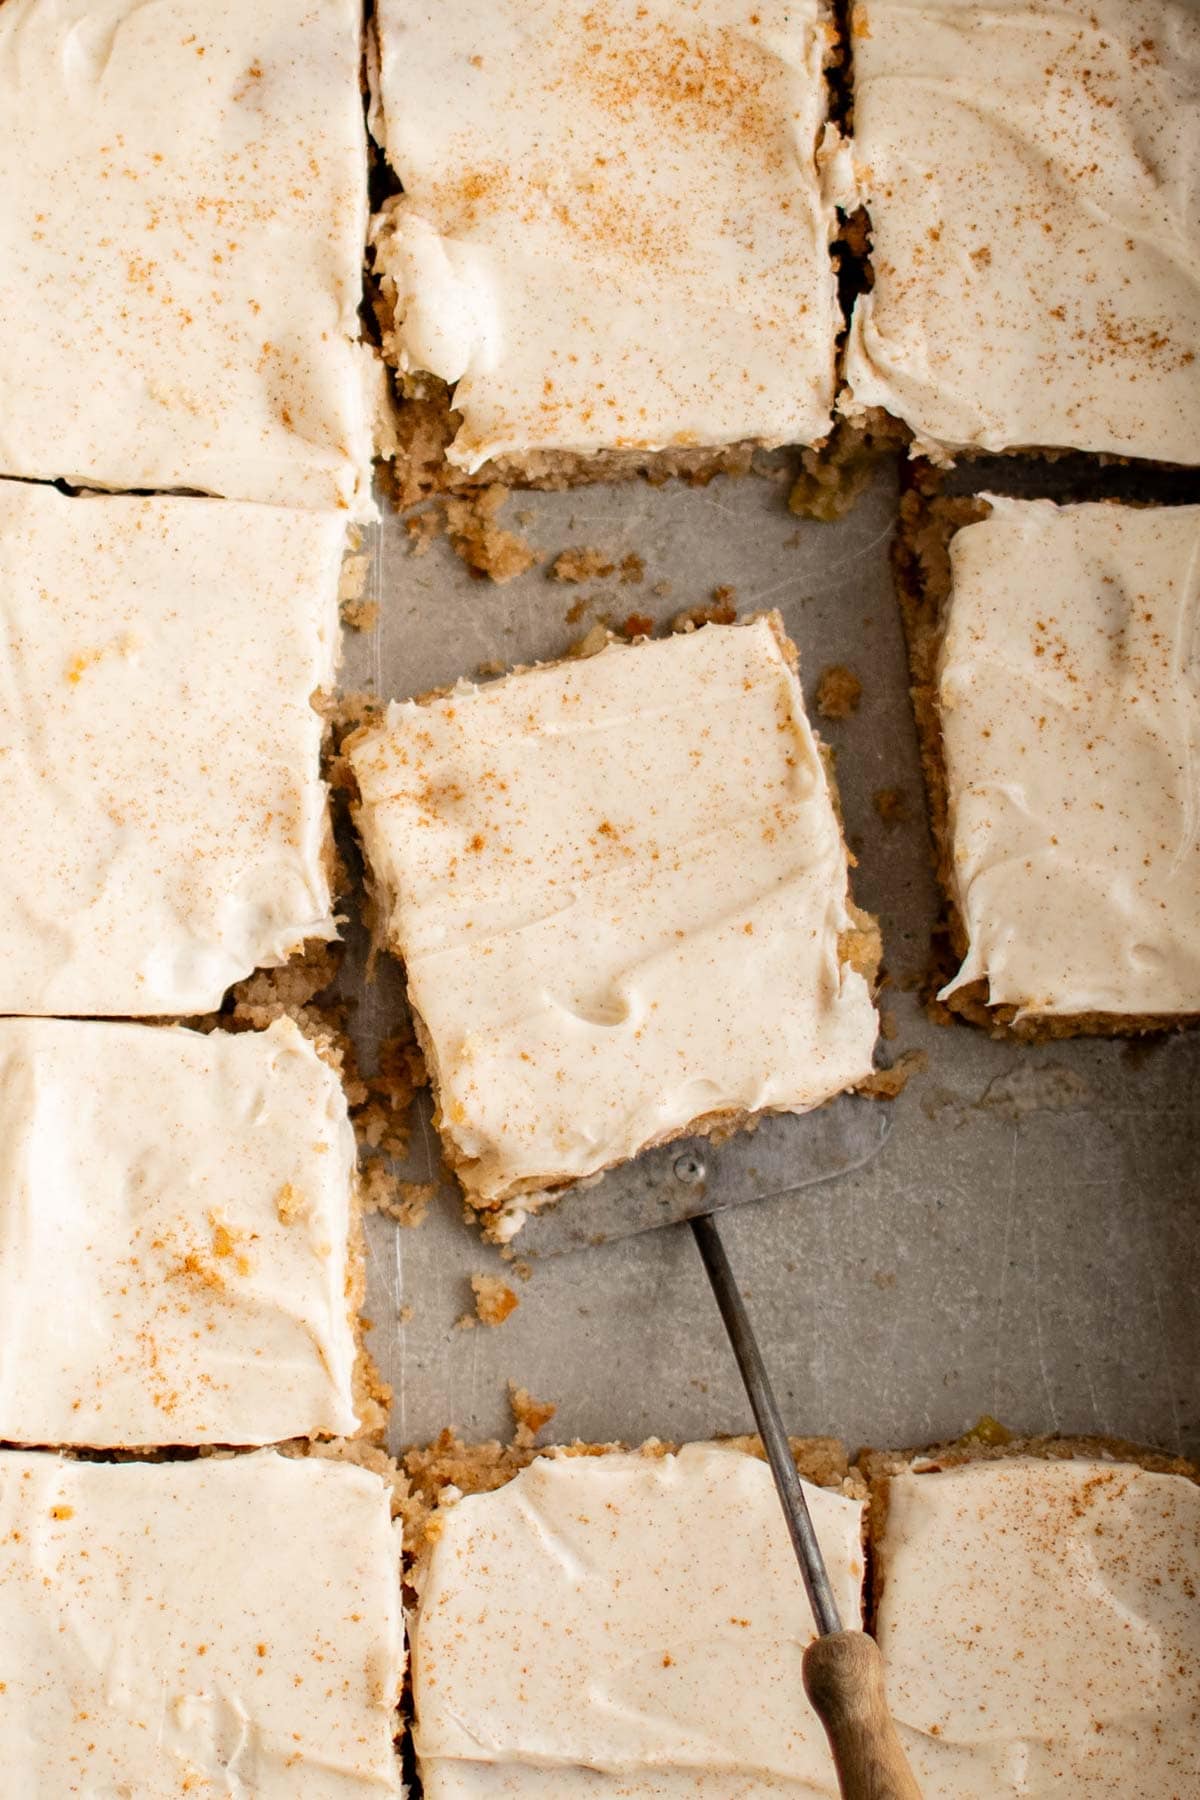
[
  {"x": 612, "y": 246},
  {"x": 162, "y": 812},
  {"x": 1038, "y": 1622},
  {"x": 1058, "y": 687},
  {"x": 179, "y": 1241},
  {"x": 619, "y": 887},
  {"x": 628, "y": 1626},
  {"x": 219, "y": 1627}
]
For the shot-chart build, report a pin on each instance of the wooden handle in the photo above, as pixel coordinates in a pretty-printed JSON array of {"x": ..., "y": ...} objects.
[{"x": 843, "y": 1677}]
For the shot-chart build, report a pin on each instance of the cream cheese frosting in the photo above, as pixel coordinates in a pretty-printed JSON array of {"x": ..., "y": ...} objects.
[
  {"x": 182, "y": 232},
  {"x": 175, "y": 1219},
  {"x": 1040, "y": 1631},
  {"x": 1068, "y": 689},
  {"x": 1033, "y": 181},
  {"x": 619, "y": 887},
  {"x": 614, "y": 232},
  {"x": 227, "y": 1627},
  {"x": 164, "y": 822},
  {"x": 625, "y": 1625}
]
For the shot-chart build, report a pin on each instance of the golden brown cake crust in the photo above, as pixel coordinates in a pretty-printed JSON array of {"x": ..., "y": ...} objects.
[{"x": 481, "y": 1468}]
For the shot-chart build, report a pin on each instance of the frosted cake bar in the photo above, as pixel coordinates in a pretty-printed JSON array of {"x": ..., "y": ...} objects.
[
  {"x": 224, "y": 1626},
  {"x": 613, "y": 240},
  {"x": 182, "y": 232},
  {"x": 619, "y": 887},
  {"x": 178, "y": 1240},
  {"x": 1039, "y": 1627},
  {"x": 1032, "y": 176},
  {"x": 1067, "y": 697},
  {"x": 624, "y": 1625},
  {"x": 164, "y": 821}
]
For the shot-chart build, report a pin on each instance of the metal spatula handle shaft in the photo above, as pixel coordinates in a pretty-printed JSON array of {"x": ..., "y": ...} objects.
[
  {"x": 770, "y": 1424},
  {"x": 843, "y": 1674}
]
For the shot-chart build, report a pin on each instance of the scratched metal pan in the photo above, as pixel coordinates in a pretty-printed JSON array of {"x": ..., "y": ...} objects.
[{"x": 1026, "y": 1243}]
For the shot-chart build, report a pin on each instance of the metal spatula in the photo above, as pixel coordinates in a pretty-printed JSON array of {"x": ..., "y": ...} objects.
[{"x": 691, "y": 1182}]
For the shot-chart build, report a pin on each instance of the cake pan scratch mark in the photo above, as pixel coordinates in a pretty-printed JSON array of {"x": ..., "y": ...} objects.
[
  {"x": 1166, "y": 1372},
  {"x": 1002, "y": 1294},
  {"x": 1036, "y": 1288}
]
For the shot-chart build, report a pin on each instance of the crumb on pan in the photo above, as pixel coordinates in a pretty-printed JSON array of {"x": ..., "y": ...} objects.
[
  {"x": 405, "y": 1201},
  {"x": 357, "y": 612},
  {"x": 481, "y": 542},
  {"x": 590, "y": 564},
  {"x": 591, "y": 643},
  {"x": 423, "y": 528},
  {"x": 838, "y": 692},
  {"x": 891, "y": 804},
  {"x": 886, "y": 1084},
  {"x": 494, "y": 1299},
  {"x": 529, "y": 1415},
  {"x": 637, "y": 625},
  {"x": 580, "y": 565},
  {"x": 720, "y": 610}
]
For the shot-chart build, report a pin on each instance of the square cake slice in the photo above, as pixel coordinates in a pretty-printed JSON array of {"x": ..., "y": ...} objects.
[
  {"x": 182, "y": 234},
  {"x": 619, "y": 887},
  {"x": 1033, "y": 184},
  {"x": 1066, "y": 723},
  {"x": 1039, "y": 1627},
  {"x": 613, "y": 240},
  {"x": 179, "y": 1252},
  {"x": 162, "y": 812},
  {"x": 221, "y": 1627},
  {"x": 625, "y": 1625}
]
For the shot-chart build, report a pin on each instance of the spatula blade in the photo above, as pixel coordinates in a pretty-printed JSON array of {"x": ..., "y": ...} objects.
[{"x": 691, "y": 1176}]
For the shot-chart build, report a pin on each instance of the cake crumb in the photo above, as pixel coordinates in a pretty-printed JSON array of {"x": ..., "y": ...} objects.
[
  {"x": 404, "y": 1316},
  {"x": 405, "y": 1201},
  {"x": 288, "y": 992},
  {"x": 637, "y": 625},
  {"x": 529, "y": 1415},
  {"x": 359, "y": 613},
  {"x": 290, "y": 1205},
  {"x": 891, "y": 803},
  {"x": 886, "y": 1084},
  {"x": 591, "y": 643},
  {"x": 382, "y": 1116},
  {"x": 483, "y": 544},
  {"x": 580, "y": 565},
  {"x": 838, "y": 692},
  {"x": 422, "y": 528},
  {"x": 720, "y": 610},
  {"x": 632, "y": 569},
  {"x": 494, "y": 1299}
]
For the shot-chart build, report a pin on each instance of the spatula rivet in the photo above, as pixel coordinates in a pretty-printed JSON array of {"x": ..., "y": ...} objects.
[{"x": 689, "y": 1169}]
